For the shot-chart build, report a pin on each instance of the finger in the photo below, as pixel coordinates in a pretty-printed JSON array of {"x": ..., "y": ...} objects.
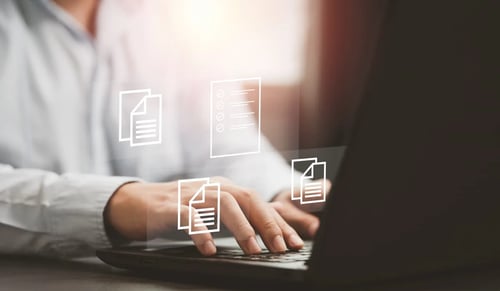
[
  {"x": 260, "y": 215},
  {"x": 292, "y": 239},
  {"x": 235, "y": 220},
  {"x": 306, "y": 224},
  {"x": 328, "y": 186},
  {"x": 203, "y": 241}
]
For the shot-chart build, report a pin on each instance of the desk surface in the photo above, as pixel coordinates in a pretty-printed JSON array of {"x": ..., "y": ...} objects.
[{"x": 23, "y": 273}]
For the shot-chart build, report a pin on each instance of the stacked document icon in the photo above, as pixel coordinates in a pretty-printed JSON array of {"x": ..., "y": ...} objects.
[
  {"x": 139, "y": 117},
  {"x": 312, "y": 182},
  {"x": 204, "y": 216}
]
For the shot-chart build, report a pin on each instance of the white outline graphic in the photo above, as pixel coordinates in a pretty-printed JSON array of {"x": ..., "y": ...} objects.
[
  {"x": 219, "y": 116},
  {"x": 207, "y": 216},
  {"x": 140, "y": 131},
  {"x": 311, "y": 190}
]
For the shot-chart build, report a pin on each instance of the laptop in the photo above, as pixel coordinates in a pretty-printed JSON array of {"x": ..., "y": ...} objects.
[{"x": 418, "y": 189}]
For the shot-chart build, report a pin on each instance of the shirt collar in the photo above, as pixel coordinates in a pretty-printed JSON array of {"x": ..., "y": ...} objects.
[
  {"x": 114, "y": 18},
  {"x": 62, "y": 16}
]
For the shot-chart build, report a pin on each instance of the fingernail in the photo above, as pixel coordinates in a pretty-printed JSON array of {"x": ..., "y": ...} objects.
[
  {"x": 313, "y": 228},
  {"x": 295, "y": 241},
  {"x": 252, "y": 246},
  {"x": 278, "y": 244},
  {"x": 208, "y": 248}
]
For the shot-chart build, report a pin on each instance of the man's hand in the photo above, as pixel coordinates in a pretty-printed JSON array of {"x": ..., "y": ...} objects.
[
  {"x": 297, "y": 215},
  {"x": 140, "y": 211}
]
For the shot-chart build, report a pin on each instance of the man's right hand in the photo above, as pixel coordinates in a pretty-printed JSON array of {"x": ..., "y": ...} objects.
[{"x": 140, "y": 211}]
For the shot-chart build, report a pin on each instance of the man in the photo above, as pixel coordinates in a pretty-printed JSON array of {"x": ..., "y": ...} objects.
[{"x": 67, "y": 186}]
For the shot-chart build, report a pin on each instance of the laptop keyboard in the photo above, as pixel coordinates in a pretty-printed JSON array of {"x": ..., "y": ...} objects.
[
  {"x": 237, "y": 254},
  {"x": 266, "y": 256}
]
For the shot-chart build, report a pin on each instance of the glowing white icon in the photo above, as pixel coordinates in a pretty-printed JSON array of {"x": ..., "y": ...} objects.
[
  {"x": 312, "y": 181},
  {"x": 204, "y": 216},
  {"x": 139, "y": 117},
  {"x": 234, "y": 115}
]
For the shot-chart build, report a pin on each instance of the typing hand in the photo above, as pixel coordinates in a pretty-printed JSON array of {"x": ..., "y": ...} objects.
[
  {"x": 297, "y": 215},
  {"x": 140, "y": 211}
]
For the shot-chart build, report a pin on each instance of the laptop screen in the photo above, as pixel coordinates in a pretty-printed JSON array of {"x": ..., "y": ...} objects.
[{"x": 418, "y": 187}]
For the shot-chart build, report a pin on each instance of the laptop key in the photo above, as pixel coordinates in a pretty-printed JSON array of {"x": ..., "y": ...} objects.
[
  {"x": 266, "y": 256},
  {"x": 237, "y": 254}
]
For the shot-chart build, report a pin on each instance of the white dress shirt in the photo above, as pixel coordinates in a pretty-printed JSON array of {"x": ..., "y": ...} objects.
[{"x": 60, "y": 159}]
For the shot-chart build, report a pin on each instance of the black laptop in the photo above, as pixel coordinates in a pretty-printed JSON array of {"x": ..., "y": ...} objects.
[{"x": 418, "y": 190}]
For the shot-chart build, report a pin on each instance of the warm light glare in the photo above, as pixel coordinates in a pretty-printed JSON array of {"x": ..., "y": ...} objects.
[
  {"x": 239, "y": 38},
  {"x": 202, "y": 18}
]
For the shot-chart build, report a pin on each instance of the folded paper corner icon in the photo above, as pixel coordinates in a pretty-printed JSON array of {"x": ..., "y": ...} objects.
[
  {"x": 140, "y": 117},
  {"x": 310, "y": 186},
  {"x": 204, "y": 215}
]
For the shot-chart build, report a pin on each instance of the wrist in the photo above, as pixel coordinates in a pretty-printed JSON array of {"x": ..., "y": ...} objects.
[{"x": 114, "y": 236}]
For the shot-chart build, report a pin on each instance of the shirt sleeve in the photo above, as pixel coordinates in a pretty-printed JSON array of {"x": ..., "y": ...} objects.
[{"x": 69, "y": 208}]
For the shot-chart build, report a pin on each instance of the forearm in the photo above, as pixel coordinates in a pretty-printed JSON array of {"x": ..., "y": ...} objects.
[
  {"x": 23, "y": 242},
  {"x": 68, "y": 207}
]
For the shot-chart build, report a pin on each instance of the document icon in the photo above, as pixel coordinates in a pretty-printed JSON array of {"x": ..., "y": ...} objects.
[
  {"x": 139, "y": 117},
  {"x": 204, "y": 216},
  {"x": 235, "y": 116},
  {"x": 312, "y": 181}
]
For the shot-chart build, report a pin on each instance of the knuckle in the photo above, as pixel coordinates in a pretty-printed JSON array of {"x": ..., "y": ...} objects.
[
  {"x": 248, "y": 194},
  {"x": 246, "y": 236},
  {"x": 226, "y": 200},
  {"x": 277, "y": 205},
  {"x": 245, "y": 231},
  {"x": 220, "y": 179},
  {"x": 191, "y": 188},
  {"x": 270, "y": 226},
  {"x": 225, "y": 196},
  {"x": 287, "y": 230}
]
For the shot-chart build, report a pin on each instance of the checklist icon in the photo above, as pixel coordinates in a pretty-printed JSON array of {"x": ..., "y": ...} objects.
[
  {"x": 312, "y": 181},
  {"x": 235, "y": 107},
  {"x": 139, "y": 117}
]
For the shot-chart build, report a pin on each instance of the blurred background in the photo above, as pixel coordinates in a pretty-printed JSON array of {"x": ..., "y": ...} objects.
[{"x": 312, "y": 55}]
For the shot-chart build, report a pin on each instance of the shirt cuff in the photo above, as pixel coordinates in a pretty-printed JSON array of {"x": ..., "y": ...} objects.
[{"x": 78, "y": 211}]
